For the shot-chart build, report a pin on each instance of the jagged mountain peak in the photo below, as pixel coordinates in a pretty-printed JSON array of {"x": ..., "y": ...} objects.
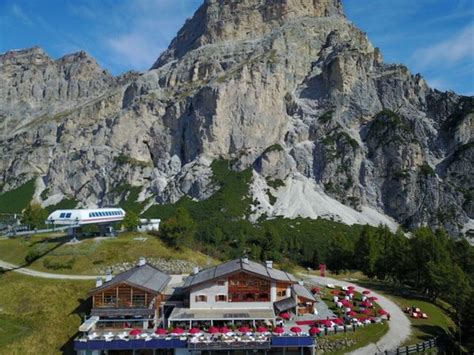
[
  {"x": 229, "y": 20},
  {"x": 287, "y": 88},
  {"x": 28, "y": 56}
]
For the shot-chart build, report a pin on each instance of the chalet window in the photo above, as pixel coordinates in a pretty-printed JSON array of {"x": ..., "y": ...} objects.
[
  {"x": 221, "y": 298},
  {"x": 201, "y": 298},
  {"x": 235, "y": 297},
  {"x": 234, "y": 282},
  {"x": 138, "y": 301},
  {"x": 281, "y": 293},
  {"x": 250, "y": 297},
  {"x": 110, "y": 299},
  {"x": 221, "y": 282}
]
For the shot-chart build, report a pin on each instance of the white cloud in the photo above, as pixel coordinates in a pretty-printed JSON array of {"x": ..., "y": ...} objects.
[
  {"x": 134, "y": 50},
  {"x": 18, "y": 12},
  {"x": 145, "y": 30},
  {"x": 449, "y": 52}
]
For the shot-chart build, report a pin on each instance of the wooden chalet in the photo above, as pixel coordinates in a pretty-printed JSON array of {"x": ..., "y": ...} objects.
[{"x": 130, "y": 298}]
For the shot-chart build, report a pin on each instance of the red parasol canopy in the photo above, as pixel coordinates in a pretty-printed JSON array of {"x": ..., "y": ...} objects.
[
  {"x": 373, "y": 298},
  {"x": 194, "y": 331},
  {"x": 285, "y": 315},
  {"x": 161, "y": 331},
  {"x": 365, "y": 292},
  {"x": 351, "y": 314},
  {"x": 296, "y": 329},
  {"x": 135, "y": 331},
  {"x": 177, "y": 331},
  {"x": 327, "y": 323},
  {"x": 314, "y": 331},
  {"x": 315, "y": 290},
  {"x": 262, "y": 330},
  {"x": 383, "y": 312},
  {"x": 224, "y": 330},
  {"x": 351, "y": 287},
  {"x": 338, "y": 321},
  {"x": 244, "y": 329},
  {"x": 213, "y": 330},
  {"x": 278, "y": 330}
]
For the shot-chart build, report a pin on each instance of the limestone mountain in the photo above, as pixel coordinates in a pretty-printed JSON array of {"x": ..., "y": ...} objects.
[{"x": 289, "y": 88}]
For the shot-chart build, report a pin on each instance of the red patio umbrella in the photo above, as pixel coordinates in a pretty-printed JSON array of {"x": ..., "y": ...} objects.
[
  {"x": 351, "y": 314},
  {"x": 366, "y": 292},
  {"x": 177, "y": 331},
  {"x": 314, "y": 331},
  {"x": 373, "y": 298},
  {"x": 315, "y": 290},
  {"x": 327, "y": 323},
  {"x": 194, "y": 331},
  {"x": 365, "y": 311},
  {"x": 296, "y": 329},
  {"x": 161, "y": 331},
  {"x": 225, "y": 330},
  {"x": 278, "y": 330},
  {"x": 244, "y": 329},
  {"x": 262, "y": 330},
  {"x": 135, "y": 331},
  {"x": 351, "y": 287},
  {"x": 335, "y": 292},
  {"x": 383, "y": 312},
  {"x": 346, "y": 303},
  {"x": 285, "y": 315},
  {"x": 338, "y": 321},
  {"x": 213, "y": 330}
]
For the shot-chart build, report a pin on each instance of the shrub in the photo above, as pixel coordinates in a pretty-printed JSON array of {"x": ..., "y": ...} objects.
[{"x": 58, "y": 265}]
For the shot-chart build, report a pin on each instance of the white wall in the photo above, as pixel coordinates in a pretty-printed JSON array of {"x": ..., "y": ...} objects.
[{"x": 211, "y": 289}]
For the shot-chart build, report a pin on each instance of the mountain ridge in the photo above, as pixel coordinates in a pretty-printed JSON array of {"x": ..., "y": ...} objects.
[{"x": 349, "y": 130}]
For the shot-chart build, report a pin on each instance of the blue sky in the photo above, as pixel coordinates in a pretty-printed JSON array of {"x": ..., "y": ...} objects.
[{"x": 432, "y": 37}]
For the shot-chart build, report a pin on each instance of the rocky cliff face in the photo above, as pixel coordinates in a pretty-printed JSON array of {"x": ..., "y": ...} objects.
[{"x": 289, "y": 88}]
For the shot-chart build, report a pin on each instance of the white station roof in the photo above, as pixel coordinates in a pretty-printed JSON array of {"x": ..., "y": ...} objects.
[{"x": 86, "y": 216}]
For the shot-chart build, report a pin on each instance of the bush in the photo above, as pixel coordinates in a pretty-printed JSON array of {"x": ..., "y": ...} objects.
[
  {"x": 131, "y": 221},
  {"x": 58, "y": 265},
  {"x": 36, "y": 252}
]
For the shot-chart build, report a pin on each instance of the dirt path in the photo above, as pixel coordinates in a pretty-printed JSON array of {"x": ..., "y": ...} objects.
[
  {"x": 45, "y": 275},
  {"x": 399, "y": 324}
]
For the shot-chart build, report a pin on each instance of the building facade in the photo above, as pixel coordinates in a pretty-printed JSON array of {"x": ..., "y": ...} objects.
[{"x": 238, "y": 293}]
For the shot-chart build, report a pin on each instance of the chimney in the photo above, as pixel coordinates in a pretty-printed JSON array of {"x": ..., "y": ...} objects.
[
  {"x": 269, "y": 264},
  {"x": 141, "y": 261},
  {"x": 98, "y": 282},
  {"x": 108, "y": 275},
  {"x": 195, "y": 270},
  {"x": 245, "y": 260}
]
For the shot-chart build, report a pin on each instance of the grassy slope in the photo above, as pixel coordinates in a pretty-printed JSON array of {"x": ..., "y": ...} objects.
[
  {"x": 46, "y": 313},
  {"x": 14, "y": 201},
  {"x": 93, "y": 252},
  {"x": 363, "y": 336}
]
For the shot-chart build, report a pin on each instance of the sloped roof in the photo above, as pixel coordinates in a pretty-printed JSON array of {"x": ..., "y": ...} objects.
[
  {"x": 145, "y": 276},
  {"x": 302, "y": 291},
  {"x": 285, "y": 304},
  {"x": 236, "y": 265}
]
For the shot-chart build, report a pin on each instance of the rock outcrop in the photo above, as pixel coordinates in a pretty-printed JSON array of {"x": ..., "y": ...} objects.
[{"x": 290, "y": 88}]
